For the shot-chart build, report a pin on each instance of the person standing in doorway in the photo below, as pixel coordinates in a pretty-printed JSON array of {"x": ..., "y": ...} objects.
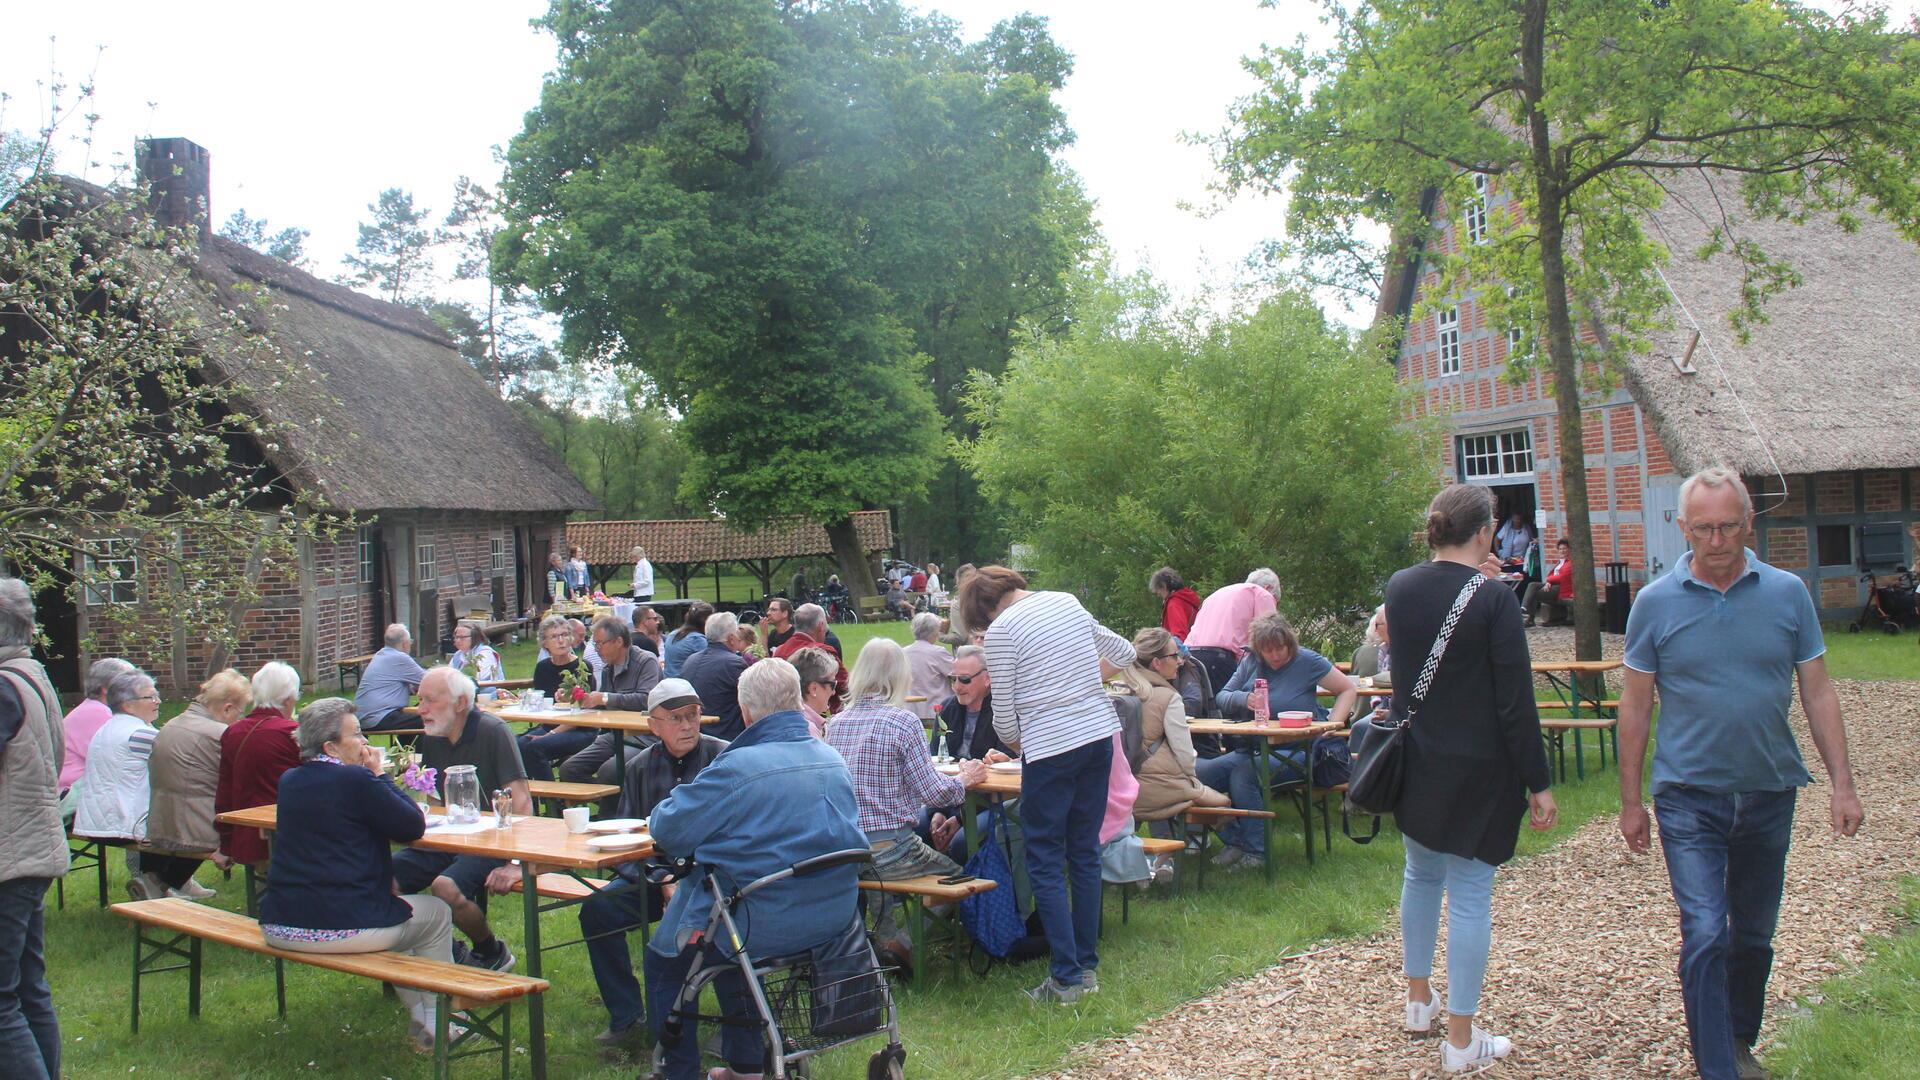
[{"x": 1723, "y": 638}]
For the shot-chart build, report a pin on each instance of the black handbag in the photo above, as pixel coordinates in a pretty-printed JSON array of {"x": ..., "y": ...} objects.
[{"x": 1380, "y": 761}]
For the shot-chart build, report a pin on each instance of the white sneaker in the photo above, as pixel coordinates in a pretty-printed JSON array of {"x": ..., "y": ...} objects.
[
  {"x": 1482, "y": 1049},
  {"x": 192, "y": 890},
  {"x": 1420, "y": 1014}
]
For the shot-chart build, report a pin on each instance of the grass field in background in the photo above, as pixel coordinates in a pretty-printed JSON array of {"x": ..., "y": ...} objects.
[{"x": 1871, "y": 654}]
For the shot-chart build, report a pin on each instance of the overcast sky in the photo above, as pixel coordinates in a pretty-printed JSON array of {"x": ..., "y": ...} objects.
[{"x": 310, "y": 110}]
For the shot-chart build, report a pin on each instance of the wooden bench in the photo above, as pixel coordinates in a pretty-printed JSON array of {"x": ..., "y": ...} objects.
[
  {"x": 558, "y": 793},
  {"x": 1209, "y": 819},
  {"x": 355, "y": 664},
  {"x": 1598, "y": 716},
  {"x": 915, "y": 894},
  {"x": 872, "y": 607},
  {"x": 83, "y": 853},
  {"x": 1153, "y": 847},
  {"x": 487, "y": 997}
]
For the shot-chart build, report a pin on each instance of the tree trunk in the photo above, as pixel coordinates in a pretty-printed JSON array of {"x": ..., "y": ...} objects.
[
  {"x": 1550, "y": 188},
  {"x": 857, "y": 569}
]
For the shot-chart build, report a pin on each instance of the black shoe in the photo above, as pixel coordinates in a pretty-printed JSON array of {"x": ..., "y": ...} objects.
[
  {"x": 462, "y": 954},
  {"x": 631, "y": 1035},
  {"x": 1745, "y": 1066},
  {"x": 494, "y": 956}
]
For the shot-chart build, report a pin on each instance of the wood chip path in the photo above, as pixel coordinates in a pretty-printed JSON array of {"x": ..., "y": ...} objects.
[{"x": 1586, "y": 939}]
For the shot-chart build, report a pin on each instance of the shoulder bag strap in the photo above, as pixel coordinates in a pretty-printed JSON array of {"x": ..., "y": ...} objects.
[{"x": 1425, "y": 683}]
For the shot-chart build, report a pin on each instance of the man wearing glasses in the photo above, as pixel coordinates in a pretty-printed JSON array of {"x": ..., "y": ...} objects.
[{"x": 1723, "y": 637}]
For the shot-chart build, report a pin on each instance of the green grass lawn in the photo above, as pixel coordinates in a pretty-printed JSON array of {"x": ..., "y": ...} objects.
[
  {"x": 1866, "y": 1025},
  {"x": 1871, "y": 654}
]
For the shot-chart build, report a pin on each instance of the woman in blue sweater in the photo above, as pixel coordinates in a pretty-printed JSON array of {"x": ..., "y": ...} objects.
[{"x": 330, "y": 887}]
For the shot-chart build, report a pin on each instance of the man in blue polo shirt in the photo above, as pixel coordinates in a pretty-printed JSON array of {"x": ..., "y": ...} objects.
[{"x": 1723, "y": 636}]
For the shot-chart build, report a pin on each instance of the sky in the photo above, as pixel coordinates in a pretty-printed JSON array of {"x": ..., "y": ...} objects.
[{"x": 309, "y": 110}]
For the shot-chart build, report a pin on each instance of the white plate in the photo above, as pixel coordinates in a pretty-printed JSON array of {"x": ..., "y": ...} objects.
[
  {"x": 616, "y": 843},
  {"x": 1005, "y": 766},
  {"x": 951, "y": 768},
  {"x": 617, "y": 825}
]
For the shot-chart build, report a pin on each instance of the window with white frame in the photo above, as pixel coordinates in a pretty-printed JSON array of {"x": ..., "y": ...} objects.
[
  {"x": 423, "y": 555},
  {"x": 1450, "y": 341},
  {"x": 1514, "y": 333},
  {"x": 366, "y": 556},
  {"x": 1477, "y": 211},
  {"x": 1496, "y": 455},
  {"x": 112, "y": 572},
  {"x": 499, "y": 555}
]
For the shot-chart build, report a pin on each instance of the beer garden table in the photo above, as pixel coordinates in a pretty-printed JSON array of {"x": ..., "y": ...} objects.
[{"x": 536, "y": 842}]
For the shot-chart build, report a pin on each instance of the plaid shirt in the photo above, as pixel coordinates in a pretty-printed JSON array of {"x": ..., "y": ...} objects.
[{"x": 893, "y": 776}]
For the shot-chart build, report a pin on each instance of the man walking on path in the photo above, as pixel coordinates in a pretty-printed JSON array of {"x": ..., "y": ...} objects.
[{"x": 1723, "y": 636}]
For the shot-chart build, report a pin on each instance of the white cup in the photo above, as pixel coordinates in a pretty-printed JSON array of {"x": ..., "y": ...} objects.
[
  {"x": 380, "y": 757},
  {"x": 576, "y": 818}
]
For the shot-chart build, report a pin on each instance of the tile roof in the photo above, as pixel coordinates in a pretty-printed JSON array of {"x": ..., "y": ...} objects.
[{"x": 712, "y": 540}]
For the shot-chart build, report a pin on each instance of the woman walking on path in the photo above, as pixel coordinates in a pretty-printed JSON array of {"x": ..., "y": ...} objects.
[{"x": 1474, "y": 766}]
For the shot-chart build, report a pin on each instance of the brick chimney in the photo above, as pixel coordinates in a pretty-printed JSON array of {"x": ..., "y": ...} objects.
[{"x": 179, "y": 173}]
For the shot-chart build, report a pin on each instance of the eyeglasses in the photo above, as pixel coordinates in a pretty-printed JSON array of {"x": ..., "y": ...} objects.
[
  {"x": 1168, "y": 656},
  {"x": 148, "y": 697},
  {"x": 1725, "y": 530},
  {"x": 964, "y": 680}
]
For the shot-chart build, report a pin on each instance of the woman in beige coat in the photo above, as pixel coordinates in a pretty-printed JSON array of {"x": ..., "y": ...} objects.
[
  {"x": 182, "y": 775},
  {"x": 1167, "y": 782}
]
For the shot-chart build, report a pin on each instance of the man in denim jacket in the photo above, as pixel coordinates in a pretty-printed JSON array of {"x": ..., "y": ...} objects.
[{"x": 774, "y": 797}]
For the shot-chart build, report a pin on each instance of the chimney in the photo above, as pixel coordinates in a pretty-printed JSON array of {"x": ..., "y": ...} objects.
[{"x": 179, "y": 174}]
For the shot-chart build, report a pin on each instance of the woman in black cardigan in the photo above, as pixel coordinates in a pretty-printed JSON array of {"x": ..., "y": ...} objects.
[
  {"x": 1473, "y": 758},
  {"x": 330, "y": 887}
]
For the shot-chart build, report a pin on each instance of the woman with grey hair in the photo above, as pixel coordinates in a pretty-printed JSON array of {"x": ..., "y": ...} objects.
[
  {"x": 113, "y": 789},
  {"x": 930, "y": 664},
  {"x": 254, "y": 751},
  {"x": 330, "y": 889},
  {"x": 85, "y": 721}
]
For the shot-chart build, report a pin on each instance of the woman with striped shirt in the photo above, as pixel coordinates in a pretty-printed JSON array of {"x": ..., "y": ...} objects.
[{"x": 1049, "y": 661}]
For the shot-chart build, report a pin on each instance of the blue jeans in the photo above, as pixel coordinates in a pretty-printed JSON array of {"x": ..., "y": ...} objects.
[
  {"x": 1468, "y": 884},
  {"x": 29, "y": 1033},
  {"x": 542, "y": 751},
  {"x": 605, "y": 918},
  {"x": 742, "y": 1046},
  {"x": 1234, "y": 774},
  {"x": 1062, "y": 802},
  {"x": 1727, "y": 861}
]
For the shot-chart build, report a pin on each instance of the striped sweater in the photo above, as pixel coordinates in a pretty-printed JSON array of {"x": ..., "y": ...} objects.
[{"x": 1044, "y": 655}]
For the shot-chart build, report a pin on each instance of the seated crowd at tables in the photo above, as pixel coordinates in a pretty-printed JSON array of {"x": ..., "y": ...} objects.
[{"x": 794, "y": 728}]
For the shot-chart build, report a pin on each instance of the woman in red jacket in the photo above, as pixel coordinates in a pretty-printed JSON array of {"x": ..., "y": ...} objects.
[
  {"x": 1178, "y": 603},
  {"x": 253, "y": 753},
  {"x": 1557, "y": 592}
]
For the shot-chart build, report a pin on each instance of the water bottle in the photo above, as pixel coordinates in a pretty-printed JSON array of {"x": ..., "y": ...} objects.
[{"x": 1262, "y": 708}]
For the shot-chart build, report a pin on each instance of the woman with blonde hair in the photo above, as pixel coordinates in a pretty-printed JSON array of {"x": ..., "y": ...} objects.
[
  {"x": 182, "y": 776},
  {"x": 1168, "y": 785}
]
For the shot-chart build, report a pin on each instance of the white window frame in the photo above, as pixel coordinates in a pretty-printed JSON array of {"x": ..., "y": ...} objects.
[
  {"x": 426, "y": 565},
  {"x": 107, "y": 582},
  {"x": 365, "y": 552},
  {"x": 1514, "y": 333},
  {"x": 1449, "y": 335},
  {"x": 1495, "y": 455},
  {"x": 499, "y": 555},
  {"x": 1476, "y": 211}
]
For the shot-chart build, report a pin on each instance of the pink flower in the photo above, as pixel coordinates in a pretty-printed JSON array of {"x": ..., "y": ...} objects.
[{"x": 419, "y": 779}]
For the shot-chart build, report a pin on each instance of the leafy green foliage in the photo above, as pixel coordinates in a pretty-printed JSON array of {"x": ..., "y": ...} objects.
[
  {"x": 805, "y": 222},
  {"x": 1587, "y": 113},
  {"x": 289, "y": 245},
  {"x": 123, "y": 431},
  {"x": 393, "y": 253},
  {"x": 1147, "y": 437}
]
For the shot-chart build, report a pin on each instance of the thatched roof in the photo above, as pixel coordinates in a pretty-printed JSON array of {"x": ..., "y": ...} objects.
[
  {"x": 404, "y": 422},
  {"x": 1822, "y": 384},
  {"x": 1826, "y": 383},
  {"x": 702, "y": 540}
]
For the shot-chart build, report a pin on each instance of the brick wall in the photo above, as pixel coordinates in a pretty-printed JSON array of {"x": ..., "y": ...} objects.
[
  {"x": 1787, "y": 547},
  {"x": 1883, "y": 492},
  {"x": 1841, "y": 592},
  {"x": 1833, "y": 494}
]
